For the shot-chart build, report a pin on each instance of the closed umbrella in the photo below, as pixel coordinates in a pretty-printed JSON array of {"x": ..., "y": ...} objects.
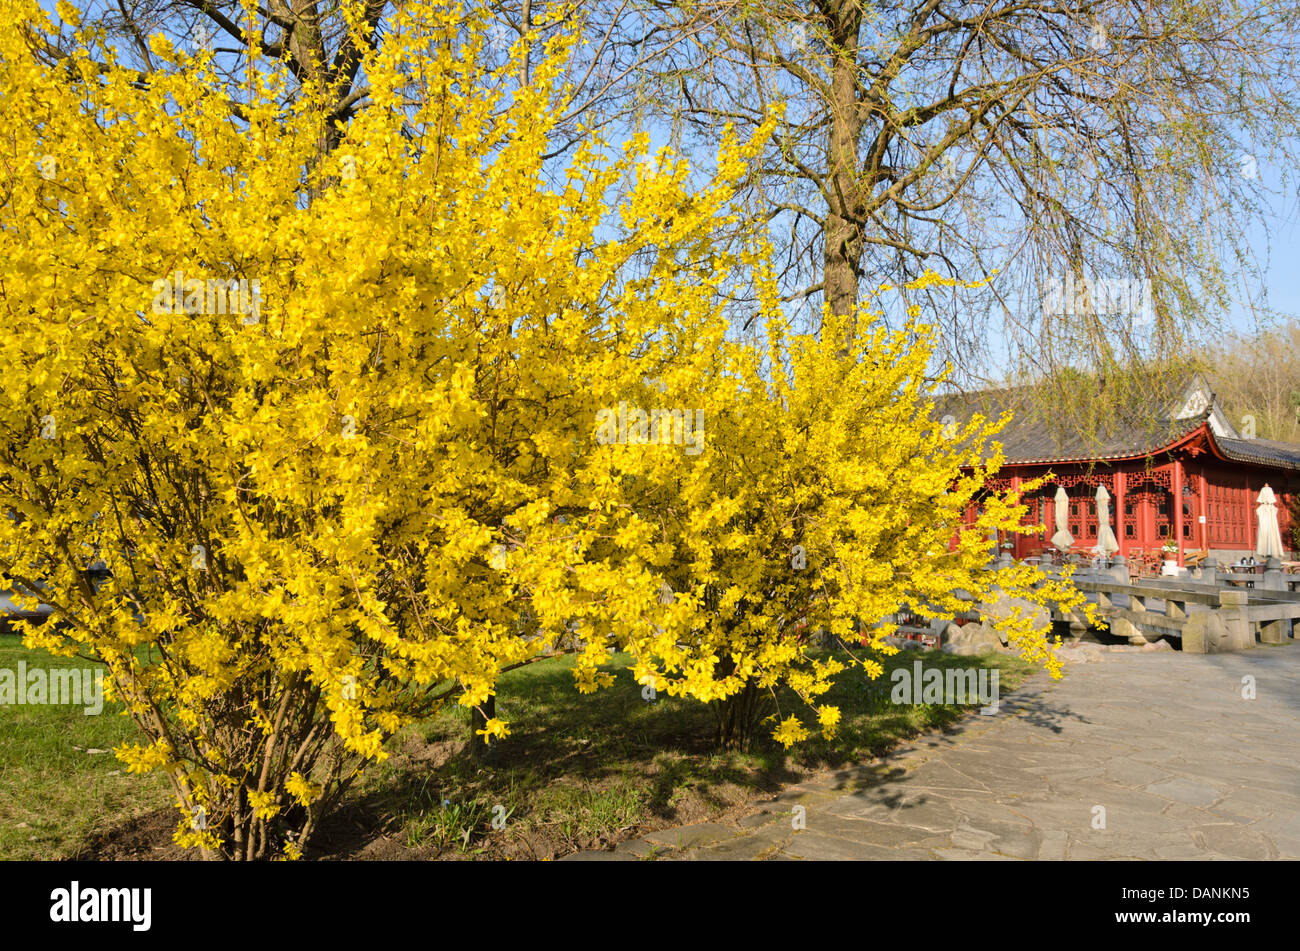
[
  {"x": 1062, "y": 539},
  {"x": 1270, "y": 539},
  {"x": 1106, "y": 543}
]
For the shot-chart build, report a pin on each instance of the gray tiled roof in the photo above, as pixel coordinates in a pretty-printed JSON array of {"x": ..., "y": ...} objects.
[
  {"x": 1034, "y": 437},
  {"x": 1028, "y": 437},
  {"x": 1265, "y": 452}
]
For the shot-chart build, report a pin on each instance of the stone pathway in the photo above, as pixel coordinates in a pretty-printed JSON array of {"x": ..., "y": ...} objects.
[{"x": 1133, "y": 756}]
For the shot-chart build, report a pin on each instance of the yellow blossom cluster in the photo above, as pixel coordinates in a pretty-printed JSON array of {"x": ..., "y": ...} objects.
[
  {"x": 355, "y": 430},
  {"x": 325, "y": 416}
]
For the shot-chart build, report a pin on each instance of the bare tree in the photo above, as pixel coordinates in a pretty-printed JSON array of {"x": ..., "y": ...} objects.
[
  {"x": 310, "y": 37},
  {"x": 1257, "y": 378},
  {"x": 1102, "y": 145},
  {"x": 609, "y": 74}
]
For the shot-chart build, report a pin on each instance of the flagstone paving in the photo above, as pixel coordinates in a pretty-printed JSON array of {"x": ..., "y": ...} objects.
[{"x": 1140, "y": 756}]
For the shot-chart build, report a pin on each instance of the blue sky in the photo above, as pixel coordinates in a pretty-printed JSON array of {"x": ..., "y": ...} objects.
[{"x": 1279, "y": 252}]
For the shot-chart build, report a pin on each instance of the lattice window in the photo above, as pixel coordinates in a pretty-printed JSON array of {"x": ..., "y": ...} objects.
[
  {"x": 1151, "y": 493},
  {"x": 1083, "y": 514},
  {"x": 1039, "y": 512}
]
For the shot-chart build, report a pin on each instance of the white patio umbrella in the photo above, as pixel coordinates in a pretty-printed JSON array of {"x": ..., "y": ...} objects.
[
  {"x": 1062, "y": 539},
  {"x": 1270, "y": 539},
  {"x": 1106, "y": 542}
]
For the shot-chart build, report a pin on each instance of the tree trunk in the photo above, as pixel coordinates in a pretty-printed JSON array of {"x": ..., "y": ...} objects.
[
  {"x": 738, "y": 717},
  {"x": 843, "y": 232}
]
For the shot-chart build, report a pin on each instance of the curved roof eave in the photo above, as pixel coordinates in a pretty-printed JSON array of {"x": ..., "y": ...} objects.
[
  {"x": 1126, "y": 456},
  {"x": 1216, "y": 445}
]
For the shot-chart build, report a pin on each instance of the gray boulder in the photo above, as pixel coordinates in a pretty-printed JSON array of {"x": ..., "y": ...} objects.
[
  {"x": 970, "y": 639},
  {"x": 950, "y": 633},
  {"x": 1004, "y": 606},
  {"x": 903, "y": 643},
  {"x": 965, "y": 650},
  {"x": 1081, "y": 653}
]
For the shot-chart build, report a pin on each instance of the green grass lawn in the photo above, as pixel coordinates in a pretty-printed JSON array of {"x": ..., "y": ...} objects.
[
  {"x": 59, "y": 781},
  {"x": 577, "y": 771},
  {"x": 582, "y": 771}
]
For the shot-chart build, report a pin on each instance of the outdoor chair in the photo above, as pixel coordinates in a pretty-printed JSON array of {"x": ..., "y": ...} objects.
[{"x": 1144, "y": 563}]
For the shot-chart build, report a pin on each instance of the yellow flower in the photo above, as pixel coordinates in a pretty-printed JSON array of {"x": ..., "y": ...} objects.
[
  {"x": 829, "y": 718},
  {"x": 264, "y": 804},
  {"x": 493, "y": 727},
  {"x": 304, "y": 791},
  {"x": 790, "y": 732}
]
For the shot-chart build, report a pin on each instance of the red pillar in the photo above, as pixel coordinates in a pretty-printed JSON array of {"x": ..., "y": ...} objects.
[
  {"x": 1019, "y": 540},
  {"x": 1178, "y": 508},
  {"x": 1203, "y": 517},
  {"x": 1119, "y": 514}
]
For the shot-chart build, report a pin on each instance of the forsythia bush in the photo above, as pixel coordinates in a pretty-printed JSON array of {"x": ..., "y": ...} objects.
[
  {"x": 308, "y": 437},
  {"x": 829, "y": 498},
  {"x": 354, "y": 432}
]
